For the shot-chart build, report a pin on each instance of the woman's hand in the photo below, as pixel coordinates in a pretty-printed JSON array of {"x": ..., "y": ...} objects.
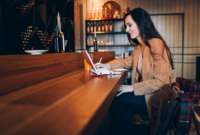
[
  {"x": 124, "y": 89},
  {"x": 105, "y": 66}
]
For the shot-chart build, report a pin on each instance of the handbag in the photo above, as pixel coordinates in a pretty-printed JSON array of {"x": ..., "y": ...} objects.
[{"x": 164, "y": 105}]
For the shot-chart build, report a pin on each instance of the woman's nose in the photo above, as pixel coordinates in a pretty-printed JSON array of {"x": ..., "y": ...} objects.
[{"x": 126, "y": 29}]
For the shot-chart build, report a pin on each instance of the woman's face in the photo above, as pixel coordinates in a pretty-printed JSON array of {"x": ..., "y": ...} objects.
[{"x": 131, "y": 27}]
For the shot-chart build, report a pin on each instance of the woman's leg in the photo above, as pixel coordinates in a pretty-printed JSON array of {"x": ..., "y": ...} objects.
[{"x": 124, "y": 107}]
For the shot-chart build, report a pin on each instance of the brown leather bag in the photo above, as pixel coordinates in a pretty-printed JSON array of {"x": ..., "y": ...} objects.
[{"x": 164, "y": 105}]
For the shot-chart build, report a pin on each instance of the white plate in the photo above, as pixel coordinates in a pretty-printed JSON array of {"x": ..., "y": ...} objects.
[{"x": 36, "y": 52}]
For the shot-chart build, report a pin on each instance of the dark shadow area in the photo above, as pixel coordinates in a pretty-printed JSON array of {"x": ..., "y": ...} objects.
[{"x": 120, "y": 128}]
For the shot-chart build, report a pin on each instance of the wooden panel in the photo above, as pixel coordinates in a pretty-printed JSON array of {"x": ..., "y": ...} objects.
[
  {"x": 163, "y": 34},
  {"x": 198, "y": 25},
  {"x": 34, "y": 88},
  {"x": 176, "y": 31},
  {"x": 156, "y": 7},
  {"x": 73, "y": 104},
  {"x": 167, "y": 31},
  {"x": 159, "y": 7},
  {"x": 191, "y": 23},
  {"x": 50, "y": 95},
  {"x": 168, "y": 6},
  {"x": 185, "y": 71},
  {"x": 173, "y": 6},
  {"x": 182, "y": 6},
  {"x": 159, "y": 24},
  {"x": 186, "y": 22},
  {"x": 180, "y": 28},
  {"x": 14, "y": 116},
  {"x": 20, "y": 62},
  {"x": 78, "y": 114},
  {"x": 178, "y": 6},
  {"x": 164, "y": 6},
  {"x": 146, "y": 5},
  {"x": 130, "y": 4},
  {"x": 142, "y": 3},
  {"x": 19, "y": 71},
  {"x": 12, "y": 81},
  {"x": 171, "y": 31},
  {"x": 150, "y": 11},
  {"x": 195, "y": 26}
]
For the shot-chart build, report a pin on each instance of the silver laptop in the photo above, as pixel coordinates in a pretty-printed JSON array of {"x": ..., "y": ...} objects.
[{"x": 94, "y": 69}]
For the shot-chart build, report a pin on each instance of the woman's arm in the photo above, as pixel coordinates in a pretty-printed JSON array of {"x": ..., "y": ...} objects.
[{"x": 122, "y": 63}]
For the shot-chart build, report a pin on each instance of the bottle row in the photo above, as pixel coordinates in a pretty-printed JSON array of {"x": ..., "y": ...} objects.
[
  {"x": 102, "y": 14},
  {"x": 100, "y": 26},
  {"x": 109, "y": 41}
]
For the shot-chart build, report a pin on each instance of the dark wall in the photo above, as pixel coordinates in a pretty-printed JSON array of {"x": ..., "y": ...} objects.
[
  {"x": 198, "y": 69},
  {"x": 68, "y": 27},
  {"x": 11, "y": 27},
  {"x": 1, "y": 34},
  {"x": 30, "y": 24}
]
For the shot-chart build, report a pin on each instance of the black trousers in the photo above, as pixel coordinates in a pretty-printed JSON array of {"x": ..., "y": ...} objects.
[{"x": 122, "y": 109}]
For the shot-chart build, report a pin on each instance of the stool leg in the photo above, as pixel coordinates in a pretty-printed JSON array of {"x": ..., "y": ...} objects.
[{"x": 196, "y": 124}]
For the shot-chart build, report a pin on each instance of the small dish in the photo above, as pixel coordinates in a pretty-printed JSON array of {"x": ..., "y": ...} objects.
[{"x": 36, "y": 52}]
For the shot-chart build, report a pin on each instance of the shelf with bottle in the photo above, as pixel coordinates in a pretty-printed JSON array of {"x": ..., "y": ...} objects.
[
  {"x": 102, "y": 14},
  {"x": 110, "y": 33},
  {"x": 102, "y": 27}
]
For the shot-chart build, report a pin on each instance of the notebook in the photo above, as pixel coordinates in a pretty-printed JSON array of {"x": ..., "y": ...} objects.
[{"x": 94, "y": 69}]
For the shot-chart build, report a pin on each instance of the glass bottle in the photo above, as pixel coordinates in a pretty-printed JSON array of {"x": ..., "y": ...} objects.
[
  {"x": 99, "y": 27},
  {"x": 88, "y": 27},
  {"x": 91, "y": 41},
  {"x": 102, "y": 27},
  {"x": 105, "y": 12},
  {"x": 91, "y": 27},
  {"x": 88, "y": 41},
  {"x": 95, "y": 43},
  {"x": 101, "y": 14},
  {"x": 97, "y": 14},
  {"x": 89, "y": 14},
  {"x": 93, "y": 16},
  {"x": 106, "y": 26},
  {"x": 95, "y": 27},
  {"x": 111, "y": 26},
  {"x": 58, "y": 41},
  {"x": 110, "y": 14}
]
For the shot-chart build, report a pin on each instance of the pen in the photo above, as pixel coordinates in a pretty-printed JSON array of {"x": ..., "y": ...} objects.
[{"x": 100, "y": 60}]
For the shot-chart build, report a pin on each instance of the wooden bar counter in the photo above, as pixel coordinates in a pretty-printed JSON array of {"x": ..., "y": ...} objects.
[{"x": 67, "y": 102}]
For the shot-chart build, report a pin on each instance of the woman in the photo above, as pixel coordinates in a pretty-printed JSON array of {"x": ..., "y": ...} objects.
[{"x": 152, "y": 67}]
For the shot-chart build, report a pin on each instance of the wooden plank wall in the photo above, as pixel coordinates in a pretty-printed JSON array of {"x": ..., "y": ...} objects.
[
  {"x": 191, "y": 10},
  {"x": 170, "y": 27}
]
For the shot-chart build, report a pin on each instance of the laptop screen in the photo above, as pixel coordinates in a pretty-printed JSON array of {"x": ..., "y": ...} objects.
[{"x": 88, "y": 59}]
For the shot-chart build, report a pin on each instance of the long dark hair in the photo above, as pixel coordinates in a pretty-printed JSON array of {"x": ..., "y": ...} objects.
[{"x": 147, "y": 30}]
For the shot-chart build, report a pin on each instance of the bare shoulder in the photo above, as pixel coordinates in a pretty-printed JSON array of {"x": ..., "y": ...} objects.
[{"x": 157, "y": 45}]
